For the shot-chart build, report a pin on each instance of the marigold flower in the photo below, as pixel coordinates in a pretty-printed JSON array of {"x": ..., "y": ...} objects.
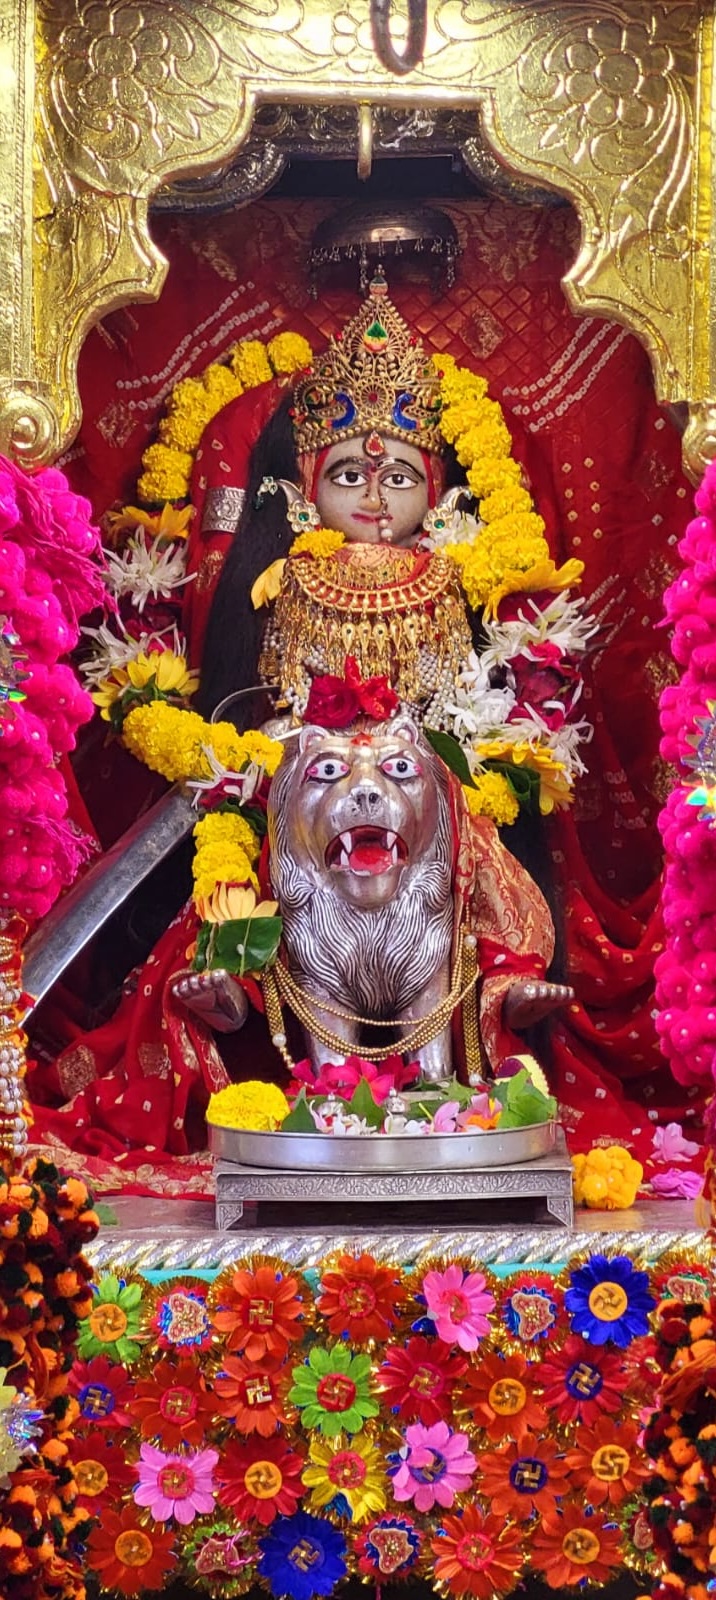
[
  {"x": 492, "y": 795},
  {"x": 259, "y": 1107},
  {"x": 289, "y": 352}
]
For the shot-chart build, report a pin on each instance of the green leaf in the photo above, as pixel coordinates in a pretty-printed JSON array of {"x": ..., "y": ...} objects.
[
  {"x": 524, "y": 781},
  {"x": 299, "y": 1119},
  {"x": 451, "y": 753},
  {"x": 522, "y": 1102},
  {"x": 247, "y": 945},
  {"x": 202, "y": 956},
  {"x": 362, "y": 1104}
]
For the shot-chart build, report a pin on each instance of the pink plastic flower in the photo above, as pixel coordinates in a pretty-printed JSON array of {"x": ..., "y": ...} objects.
[
  {"x": 435, "y": 1466},
  {"x": 677, "y": 1184},
  {"x": 459, "y": 1304},
  {"x": 179, "y": 1486},
  {"x": 670, "y": 1144}
]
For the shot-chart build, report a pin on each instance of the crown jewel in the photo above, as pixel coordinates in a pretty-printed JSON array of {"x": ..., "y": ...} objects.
[{"x": 374, "y": 376}]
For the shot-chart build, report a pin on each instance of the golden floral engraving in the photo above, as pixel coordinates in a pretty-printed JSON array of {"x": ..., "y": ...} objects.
[{"x": 598, "y": 101}]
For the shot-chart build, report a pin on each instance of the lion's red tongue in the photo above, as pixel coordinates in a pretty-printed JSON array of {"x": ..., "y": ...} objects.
[{"x": 373, "y": 858}]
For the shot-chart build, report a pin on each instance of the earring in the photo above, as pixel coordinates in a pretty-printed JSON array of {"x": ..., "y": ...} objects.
[{"x": 301, "y": 513}]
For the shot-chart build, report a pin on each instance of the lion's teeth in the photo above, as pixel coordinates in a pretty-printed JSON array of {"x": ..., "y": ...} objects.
[
  {"x": 394, "y": 854},
  {"x": 347, "y": 841},
  {"x": 344, "y": 862},
  {"x": 390, "y": 839}
]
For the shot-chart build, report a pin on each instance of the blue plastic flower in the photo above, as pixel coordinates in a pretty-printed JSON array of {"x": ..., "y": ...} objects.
[
  {"x": 609, "y": 1300},
  {"x": 302, "y": 1556}
]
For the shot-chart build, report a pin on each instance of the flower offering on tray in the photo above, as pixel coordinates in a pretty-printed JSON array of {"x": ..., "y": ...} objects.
[{"x": 357, "y": 1099}]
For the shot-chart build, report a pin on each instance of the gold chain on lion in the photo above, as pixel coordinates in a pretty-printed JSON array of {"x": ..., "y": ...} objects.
[
  {"x": 279, "y": 986},
  {"x": 385, "y": 628}
]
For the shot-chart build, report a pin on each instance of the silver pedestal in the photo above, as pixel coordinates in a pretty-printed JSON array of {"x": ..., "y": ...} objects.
[{"x": 537, "y": 1191}]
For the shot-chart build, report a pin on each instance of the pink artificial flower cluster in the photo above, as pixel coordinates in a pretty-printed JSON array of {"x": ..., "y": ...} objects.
[
  {"x": 342, "y": 1078},
  {"x": 49, "y": 576},
  {"x": 686, "y": 970}
]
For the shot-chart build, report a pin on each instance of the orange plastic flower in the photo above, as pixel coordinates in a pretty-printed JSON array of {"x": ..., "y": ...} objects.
[
  {"x": 572, "y": 1547},
  {"x": 500, "y": 1395},
  {"x": 521, "y": 1478},
  {"x": 173, "y": 1405},
  {"x": 478, "y": 1554},
  {"x": 127, "y": 1555},
  {"x": 361, "y": 1298},
  {"x": 606, "y": 1463},
  {"x": 251, "y": 1394},
  {"x": 260, "y": 1313}
]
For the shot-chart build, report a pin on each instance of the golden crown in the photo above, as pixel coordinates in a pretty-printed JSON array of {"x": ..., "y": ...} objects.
[{"x": 374, "y": 377}]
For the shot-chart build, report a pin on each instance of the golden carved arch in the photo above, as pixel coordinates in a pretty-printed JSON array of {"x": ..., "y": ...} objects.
[{"x": 610, "y": 103}]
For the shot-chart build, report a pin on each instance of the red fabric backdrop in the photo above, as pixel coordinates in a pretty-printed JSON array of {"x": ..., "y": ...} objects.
[{"x": 604, "y": 464}]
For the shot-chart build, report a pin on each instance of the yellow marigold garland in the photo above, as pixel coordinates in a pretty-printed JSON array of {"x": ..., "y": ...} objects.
[
  {"x": 168, "y": 462},
  {"x": 318, "y": 542},
  {"x": 511, "y": 552},
  {"x": 174, "y": 742}
]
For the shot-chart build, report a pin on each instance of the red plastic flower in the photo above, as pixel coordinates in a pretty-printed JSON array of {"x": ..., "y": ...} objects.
[
  {"x": 103, "y": 1391},
  {"x": 606, "y": 1463},
  {"x": 260, "y": 1312},
  {"x": 251, "y": 1394},
  {"x": 101, "y": 1472},
  {"x": 260, "y": 1479},
  {"x": 500, "y": 1395},
  {"x": 418, "y": 1379},
  {"x": 583, "y": 1381},
  {"x": 173, "y": 1405},
  {"x": 128, "y": 1556},
  {"x": 361, "y": 1298},
  {"x": 477, "y": 1554},
  {"x": 573, "y": 1547},
  {"x": 521, "y": 1478}
]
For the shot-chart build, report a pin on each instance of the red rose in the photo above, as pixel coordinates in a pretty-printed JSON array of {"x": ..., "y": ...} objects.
[
  {"x": 375, "y": 696},
  {"x": 332, "y": 703}
]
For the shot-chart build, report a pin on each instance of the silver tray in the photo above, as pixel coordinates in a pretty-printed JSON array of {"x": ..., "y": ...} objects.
[{"x": 299, "y": 1152}]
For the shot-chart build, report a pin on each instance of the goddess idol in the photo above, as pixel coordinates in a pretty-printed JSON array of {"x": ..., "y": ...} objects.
[{"x": 357, "y": 590}]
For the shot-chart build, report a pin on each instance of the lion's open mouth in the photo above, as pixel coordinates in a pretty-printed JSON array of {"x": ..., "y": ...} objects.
[{"x": 367, "y": 851}]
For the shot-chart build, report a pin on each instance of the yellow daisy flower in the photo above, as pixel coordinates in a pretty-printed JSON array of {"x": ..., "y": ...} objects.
[{"x": 351, "y": 1468}]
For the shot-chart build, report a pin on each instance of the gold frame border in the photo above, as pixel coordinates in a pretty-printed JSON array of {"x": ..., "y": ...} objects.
[{"x": 612, "y": 104}]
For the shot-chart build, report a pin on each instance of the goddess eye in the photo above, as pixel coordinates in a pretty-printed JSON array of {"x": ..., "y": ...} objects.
[
  {"x": 400, "y": 767},
  {"x": 349, "y": 478},
  {"x": 399, "y": 480},
  {"x": 328, "y": 770}
]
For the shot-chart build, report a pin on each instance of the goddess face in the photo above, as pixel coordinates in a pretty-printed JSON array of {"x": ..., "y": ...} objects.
[{"x": 375, "y": 495}]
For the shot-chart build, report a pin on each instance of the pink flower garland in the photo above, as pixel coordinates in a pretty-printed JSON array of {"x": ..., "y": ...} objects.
[
  {"x": 686, "y": 971},
  {"x": 50, "y": 575}
]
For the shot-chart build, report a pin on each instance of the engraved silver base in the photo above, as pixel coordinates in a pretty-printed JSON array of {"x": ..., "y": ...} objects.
[{"x": 537, "y": 1191}]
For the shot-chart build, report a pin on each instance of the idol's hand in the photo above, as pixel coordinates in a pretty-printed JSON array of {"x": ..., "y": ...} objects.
[
  {"x": 215, "y": 997},
  {"x": 527, "y": 1003}
]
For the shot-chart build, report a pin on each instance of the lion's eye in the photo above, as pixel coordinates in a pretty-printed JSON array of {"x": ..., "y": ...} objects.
[
  {"x": 328, "y": 770},
  {"x": 400, "y": 767}
]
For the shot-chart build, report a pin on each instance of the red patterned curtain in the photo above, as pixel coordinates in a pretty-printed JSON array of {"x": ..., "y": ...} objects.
[{"x": 604, "y": 465}]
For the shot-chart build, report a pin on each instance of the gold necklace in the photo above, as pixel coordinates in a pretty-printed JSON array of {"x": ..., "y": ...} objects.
[{"x": 279, "y": 986}]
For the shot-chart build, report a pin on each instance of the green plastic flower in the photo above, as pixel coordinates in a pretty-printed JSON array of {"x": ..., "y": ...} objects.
[
  {"x": 112, "y": 1327},
  {"x": 332, "y": 1391}
]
